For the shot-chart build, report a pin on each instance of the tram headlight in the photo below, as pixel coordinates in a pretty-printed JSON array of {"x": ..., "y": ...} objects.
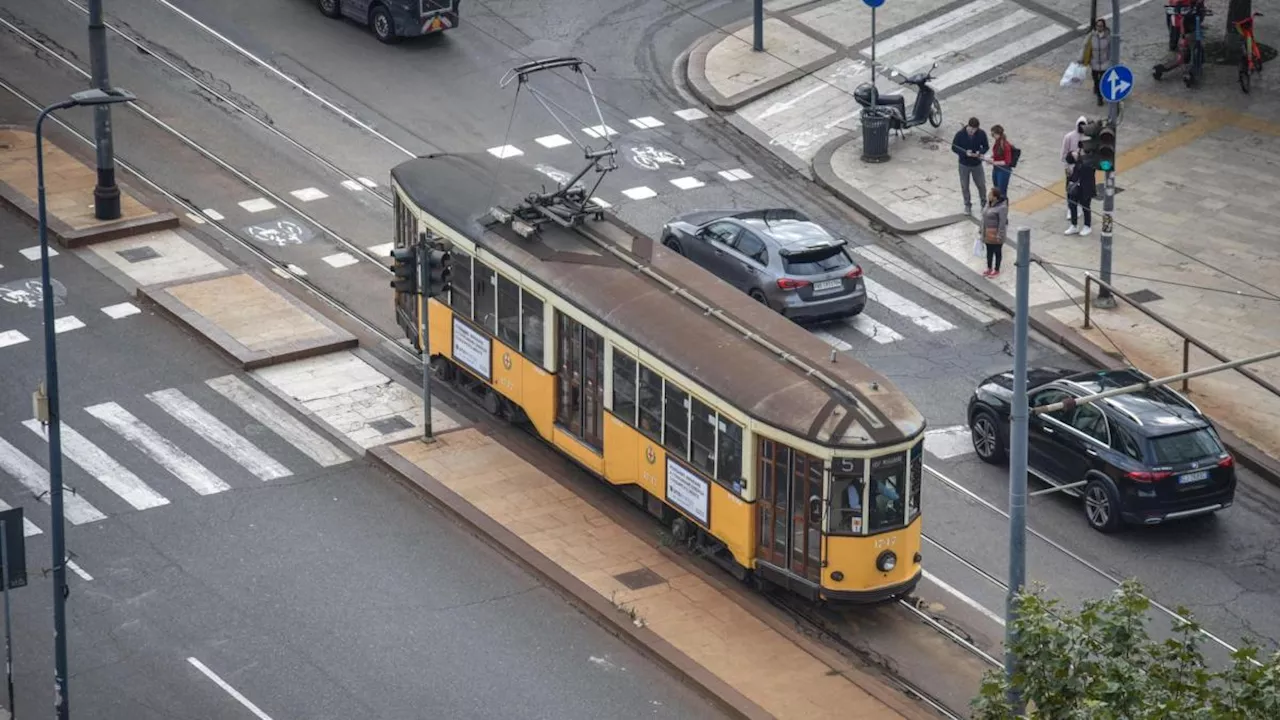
[{"x": 887, "y": 561}]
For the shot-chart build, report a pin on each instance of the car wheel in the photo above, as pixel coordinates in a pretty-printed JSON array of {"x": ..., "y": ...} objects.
[
  {"x": 759, "y": 297},
  {"x": 331, "y": 8},
  {"x": 985, "y": 432},
  {"x": 384, "y": 28},
  {"x": 1101, "y": 506},
  {"x": 673, "y": 245}
]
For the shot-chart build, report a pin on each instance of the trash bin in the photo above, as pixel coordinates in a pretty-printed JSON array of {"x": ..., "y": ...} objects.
[{"x": 875, "y": 134}]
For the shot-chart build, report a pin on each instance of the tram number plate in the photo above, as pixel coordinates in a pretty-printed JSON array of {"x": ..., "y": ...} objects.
[
  {"x": 828, "y": 285},
  {"x": 1193, "y": 477}
]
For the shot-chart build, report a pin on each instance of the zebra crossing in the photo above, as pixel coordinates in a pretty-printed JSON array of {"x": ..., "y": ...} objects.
[{"x": 116, "y": 459}]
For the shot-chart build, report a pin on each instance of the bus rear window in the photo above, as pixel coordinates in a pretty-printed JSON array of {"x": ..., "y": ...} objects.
[
  {"x": 1185, "y": 447},
  {"x": 816, "y": 262}
]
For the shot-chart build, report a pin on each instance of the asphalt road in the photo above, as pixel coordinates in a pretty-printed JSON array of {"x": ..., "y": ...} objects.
[
  {"x": 358, "y": 108},
  {"x": 326, "y": 591}
]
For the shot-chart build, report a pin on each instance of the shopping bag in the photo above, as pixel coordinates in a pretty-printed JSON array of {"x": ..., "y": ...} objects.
[
  {"x": 979, "y": 249},
  {"x": 1074, "y": 75}
]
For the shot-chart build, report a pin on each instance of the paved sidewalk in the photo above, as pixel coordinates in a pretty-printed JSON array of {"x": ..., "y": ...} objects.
[
  {"x": 1196, "y": 232},
  {"x": 677, "y": 614}
]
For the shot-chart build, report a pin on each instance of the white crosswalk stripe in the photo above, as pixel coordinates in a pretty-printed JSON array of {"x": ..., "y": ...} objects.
[
  {"x": 155, "y": 446},
  {"x": 79, "y": 450},
  {"x": 907, "y": 308},
  {"x": 948, "y": 442},
  {"x": 257, "y": 406},
  {"x": 873, "y": 329},
  {"x": 35, "y": 478},
  {"x": 232, "y": 444},
  {"x": 902, "y": 270},
  {"x": 28, "y": 528}
]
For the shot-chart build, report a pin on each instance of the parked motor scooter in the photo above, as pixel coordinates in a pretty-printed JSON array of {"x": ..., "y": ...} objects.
[{"x": 925, "y": 108}]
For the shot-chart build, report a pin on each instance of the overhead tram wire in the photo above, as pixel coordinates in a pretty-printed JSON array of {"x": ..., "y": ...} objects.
[
  {"x": 1075, "y": 302},
  {"x": 942, "y": 139}
]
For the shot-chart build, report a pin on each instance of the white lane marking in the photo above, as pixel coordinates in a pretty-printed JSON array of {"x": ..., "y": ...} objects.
[
  {"x": 902, "y": 306},
  {"x": 195, "y": 218},
  {"x": 1123, "y": 10},
  {"x": 341, "y": 259},
  {"x": 690, "y": 114},
  {"x": 79, "y": 571},
  {"x": 296, "y": 270},
  {"x": 832, "y": 340},
  {"x": 28, "y": 528},
  {"x": 962, "y": 597},
  {"x": 230, "y": 690},
  {"x": 262, "y": 409},
  {"x": 687, "y": 183},
  {"x": 352, "y": 185},
  {"x": 93, "y": 460},
  {"x": 923, "y": 30},
  {"x": 121, "y": 310},
  {"x": 505, "y": 151},
  {"x": 948, "y": 442},
  {"x": 219, "y": 434},
  {"x": 36, "y": 479},
  {"x": 601, "y": 203},
  {"x": 309, "y": 194},
  {"x": 599, "y": 131},
  {"x": 213, "y": 214},
  {"x": 69, "y": 322},
  {"x": 257, "y": 205},
  {"x": 282, "y": 273},
  {"x": 33, "y": 252},
  {"x": 553, "y": 141},
  {"x": 877, "y": 331},
  {"x": 11, "y": 337},
  {"x": 1004, "y": 54},
  {"x": 639, "y": 193},
  {"x": 735, "y": 175},
  {"x": 646, "y": 122},
  {"x": 905, "y": 271},
  {"x": 939, "y": 52},
  {"x": 155, "y": 446},
  {"x": 367, "y": 182},
  {"x": 383, "y": 250}
]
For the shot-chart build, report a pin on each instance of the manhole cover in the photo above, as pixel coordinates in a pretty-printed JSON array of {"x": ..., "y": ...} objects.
[
  {"x": 1144, "y": 296},
  {"x": 138, "y": 254},
  {"x": 386, "y": 426},
  {"x": 642, "y": 578}
]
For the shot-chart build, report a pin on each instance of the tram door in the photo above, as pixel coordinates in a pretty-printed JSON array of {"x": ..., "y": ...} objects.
[{"x": 790, "y": 509}]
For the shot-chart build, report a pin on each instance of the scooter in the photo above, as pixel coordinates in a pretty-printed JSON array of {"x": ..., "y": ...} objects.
[{"x": 926, "y": 107}]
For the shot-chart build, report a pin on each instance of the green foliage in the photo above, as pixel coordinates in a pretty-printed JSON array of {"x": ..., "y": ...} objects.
[{"x": 1100, "y": 663}]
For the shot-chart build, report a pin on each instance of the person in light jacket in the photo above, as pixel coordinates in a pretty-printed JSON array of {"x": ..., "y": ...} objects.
[
  {"x": 1071, "y": 146},
  {"x": 1097, "y": 55},
  {"x": 995, "y": 225}
]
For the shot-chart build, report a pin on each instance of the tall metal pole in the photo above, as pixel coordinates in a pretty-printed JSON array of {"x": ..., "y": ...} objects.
[
  {"x": 424, "y": 280},
  {"x": 60, "y": 700},
  {"x": 757, "y": 42},
  {"x": 874, "y": 93},
  {"x": 8, "y": 635},
  {"x": 106, "y": 196},
  {"x": 1105, "y": 299},
  {"x": 1018, "y": 461}
]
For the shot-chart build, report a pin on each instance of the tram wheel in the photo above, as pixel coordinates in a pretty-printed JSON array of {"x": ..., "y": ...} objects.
[{"x": 443, "y": 369}]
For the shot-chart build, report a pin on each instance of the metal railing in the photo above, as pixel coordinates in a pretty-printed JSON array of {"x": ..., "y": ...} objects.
[{"x": 1187, "y": 339}]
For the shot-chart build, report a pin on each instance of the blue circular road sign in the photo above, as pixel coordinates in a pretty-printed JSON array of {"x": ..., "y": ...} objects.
[
  {"x": 873, "y": 3},
  {"x": 1116, "y": 83}
]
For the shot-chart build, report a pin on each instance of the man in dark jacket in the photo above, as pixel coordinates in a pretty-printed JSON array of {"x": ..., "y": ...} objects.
[
  {"x": 970, "y": 144},
  {"x": 1081, "y": 187}
]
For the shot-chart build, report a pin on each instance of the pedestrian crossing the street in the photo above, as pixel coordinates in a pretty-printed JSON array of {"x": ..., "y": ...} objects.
[{"x": 200, "y": 440}]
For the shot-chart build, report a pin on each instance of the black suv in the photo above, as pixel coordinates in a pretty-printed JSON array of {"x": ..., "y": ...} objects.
[{"x": 1143, "y": 457}]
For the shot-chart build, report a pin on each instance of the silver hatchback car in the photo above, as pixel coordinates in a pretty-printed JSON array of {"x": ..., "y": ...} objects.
[{"x": 779, "y": 257}]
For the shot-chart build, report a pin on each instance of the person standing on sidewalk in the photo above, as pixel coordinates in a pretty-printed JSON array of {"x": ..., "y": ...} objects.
[
  {"x": 1097, "y": 55},
  {"x": 1001, "y": 160},
  {"x": 995, "y": 225},
  {"x": 970, "y": 144},
  {"x": 1071, "y": 146},
  {"x": 1081, "y": 186}
]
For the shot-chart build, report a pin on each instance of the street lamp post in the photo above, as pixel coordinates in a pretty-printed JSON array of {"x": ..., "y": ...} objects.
[
  {"x": 106, "y": 194},
  {"x": 95, "y": 97}
]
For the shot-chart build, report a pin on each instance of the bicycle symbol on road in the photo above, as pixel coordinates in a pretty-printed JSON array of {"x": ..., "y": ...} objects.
[
  {"x": 28, "y": 292},
  {"x": 652, "y": 158},
  {"x": 279, "y": 233}
]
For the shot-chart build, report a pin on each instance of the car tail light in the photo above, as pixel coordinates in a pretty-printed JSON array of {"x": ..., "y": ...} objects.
[
  {"x": 1226, "y": 462},
  {"x": 855, "y": 273},
  {"x": 1143, "y": 476},
  {"x": 791, "y": 283}
]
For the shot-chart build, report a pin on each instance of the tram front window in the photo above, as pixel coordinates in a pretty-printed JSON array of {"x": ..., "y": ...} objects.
[
  {"x": 887, "y": 491},
  {"x": 847, "y": 492}
]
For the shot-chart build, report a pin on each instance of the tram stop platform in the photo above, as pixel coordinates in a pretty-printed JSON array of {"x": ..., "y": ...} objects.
[{"x": 683, "y": 619}]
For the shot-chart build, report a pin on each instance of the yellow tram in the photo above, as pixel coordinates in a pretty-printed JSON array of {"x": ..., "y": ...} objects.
[{"x": 789, "y": 464}]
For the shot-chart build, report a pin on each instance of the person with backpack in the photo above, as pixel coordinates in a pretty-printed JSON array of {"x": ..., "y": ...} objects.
[
  {"x": 995, "y": 225},
  {"x": 1004, "y": 156},
  {"x": 1081, "y": 187}
]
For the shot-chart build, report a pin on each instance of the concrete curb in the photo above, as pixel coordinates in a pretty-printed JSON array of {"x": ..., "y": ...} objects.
[
  {"x": 926, "y": 254},
  {"x": 591, "y": 602},
  {"x": 696, "y": 69}
]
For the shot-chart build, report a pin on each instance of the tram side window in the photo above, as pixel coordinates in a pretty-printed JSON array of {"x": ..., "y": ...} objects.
[
  {"x": 406, "y": 224},
  {"x": 848, "y": 477},
  {"x": 650, "y": 403},
  {"x": 460, "y": 295},
  {"x": 917, "y": 479},
  {"x": 531, "y": 322},
  {"x": 887, "y": 486},
  {"x": 676, "y": 415},
  {"x": 702, "y": 427},
  {"x": 486, "y": 297},
  {"x": 729, "y": 455},
  {"x": 508, "y": 312},
  {"x": 624, "y": 387}
]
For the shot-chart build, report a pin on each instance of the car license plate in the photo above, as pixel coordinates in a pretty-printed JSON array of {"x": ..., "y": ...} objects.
[
  {"x": 1193, "y": 477},
  {"x": 828, "y": 285}
]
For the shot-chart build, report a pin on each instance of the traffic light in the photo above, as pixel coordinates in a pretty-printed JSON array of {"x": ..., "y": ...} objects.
[
  {"x": 439, "y": 272},
  {"x": 1107, "y": 148},
  {"x": 1090, "y": 144},
  {"x": 405, "y": 267}
]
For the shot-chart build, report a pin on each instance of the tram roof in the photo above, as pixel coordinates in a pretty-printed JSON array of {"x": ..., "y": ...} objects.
[{"x": 459, "y": 189}]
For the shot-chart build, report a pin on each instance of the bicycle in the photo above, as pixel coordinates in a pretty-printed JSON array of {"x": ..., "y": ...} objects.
[{"x": 1251, "y": 54}]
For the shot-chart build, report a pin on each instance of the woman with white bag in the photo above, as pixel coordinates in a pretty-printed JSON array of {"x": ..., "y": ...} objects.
[{"x": 1097, "y": 55}]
